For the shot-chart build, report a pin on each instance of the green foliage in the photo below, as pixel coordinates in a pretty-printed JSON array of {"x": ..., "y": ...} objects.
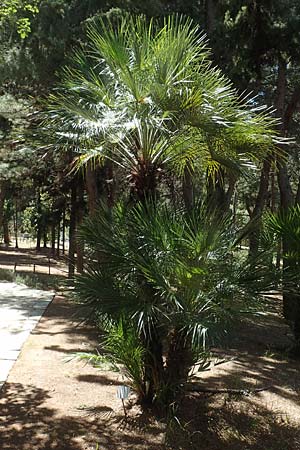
[
  {"x": 169, "y": 275},
  {"x": 124, "y": 349},
  {"x": 120, "y": 351},
  {"x": 154, "y": 101},
  {"x": 17, "y": 11},
  {"x": 285, "y": 225}
]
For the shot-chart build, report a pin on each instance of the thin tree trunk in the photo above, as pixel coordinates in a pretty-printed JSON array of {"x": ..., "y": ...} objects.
[
  {"x": 64, "y": 230},
  {"x": 230, "y": 192},
  {"x": 259, "y": 206},
  {"x": 45, "y": 238},
  {"x": 6, "y": 236},
  {"x": 16, "y": 218},
  {"x": 273, "y": 192},
  {"x": 291, "y": 301},
  {"x": 285, "y": 189},
  {"x": 80, "y": 213},
  {"x": 2, "y": 199},
  {"x": 58, "y": 238},
  {"x": 53, "y": 234},
  {"x": 72, "y": 229},
  {"x": 297, "y": 199},
  {"x": 39, "y": 224}
]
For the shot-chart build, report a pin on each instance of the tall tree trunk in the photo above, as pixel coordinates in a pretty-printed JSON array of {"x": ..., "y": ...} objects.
[
  {"x": 80, "y": 214},
  {"x": 210, "y": 13},
  {"x": 2, "y": 199},
  {"x": 291, "y": 301},
  {"x": 16, "y": 225},
  {"x": 72, "y": 228},
  {"x": 45, "y": 238},
  {"x": 285, "y": 189},
  {"x": 39, "y": 221},
  {"x": 259, "y": 206},
  {"x": 6, "y": 236},
  {"x": 53, "y": 234},
  {"x": 91, "y": 188},
  {"x": 297, "y": 199},
  {"x": 58, "y": 237},
  {"x": 64, "y": 230}
]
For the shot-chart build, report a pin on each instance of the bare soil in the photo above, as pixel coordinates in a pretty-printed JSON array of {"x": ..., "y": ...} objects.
[
  {"x": 48, "y": 403},
  {"x": 27, "y": 259}
]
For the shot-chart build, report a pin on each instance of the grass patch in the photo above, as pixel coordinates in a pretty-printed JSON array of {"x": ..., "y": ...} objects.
[{"x": 41, "y": 281}]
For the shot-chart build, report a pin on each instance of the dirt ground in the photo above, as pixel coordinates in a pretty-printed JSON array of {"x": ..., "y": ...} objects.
[
  {"x": 48, "y": 403},
  {"x": 26, "y": 259}
]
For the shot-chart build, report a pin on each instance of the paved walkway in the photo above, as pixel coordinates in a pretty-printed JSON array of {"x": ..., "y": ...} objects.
[{"x": 20, "y": 310}]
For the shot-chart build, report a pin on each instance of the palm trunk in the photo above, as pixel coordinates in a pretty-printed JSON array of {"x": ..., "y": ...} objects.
[
  {"x": 154, "y": 375},
  {"x": 178, "y": 364},
  {"x": 110, "y": 183},
  {"x": 188, "y": 190},
  {"x": 91, "y": 188}
]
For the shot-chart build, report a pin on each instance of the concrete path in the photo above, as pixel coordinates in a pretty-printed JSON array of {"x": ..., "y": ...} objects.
[{"x": 20, "y": 310}]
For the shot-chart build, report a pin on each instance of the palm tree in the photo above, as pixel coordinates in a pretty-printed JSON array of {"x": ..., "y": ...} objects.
[
  {"x": 174, "y": 279},
  {"x": 285, "y": 227},
  {"x": 146, "y": 95}
]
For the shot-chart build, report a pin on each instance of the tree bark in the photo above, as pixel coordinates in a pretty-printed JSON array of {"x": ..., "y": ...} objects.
[
  {"x": 58, "y": 237},
  {"x": 210, "y": 13},
  {"x": 259, "y": 206},
  {"x": 188, "y": 189},
  {"x": 39, "y": 222},
  {"x": 291, "y": 301},
  {"x": 285, "y": 189},
  {"x": 2, "y": 199},
  {"x": 72, "y": 228},
  {"x": 53, "y": 234},
  {"x": 79, "y": 219},
  {"x": 6, "y": 236},
  {"x": 64, "y": 230},
  {"x": 297, "y": 199},
  {"x": 110, "y": 183},
  {"x": 91, "y": 188},
  {"x": 16, "y": 225},
  {"x": 179, "y": 361}
]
